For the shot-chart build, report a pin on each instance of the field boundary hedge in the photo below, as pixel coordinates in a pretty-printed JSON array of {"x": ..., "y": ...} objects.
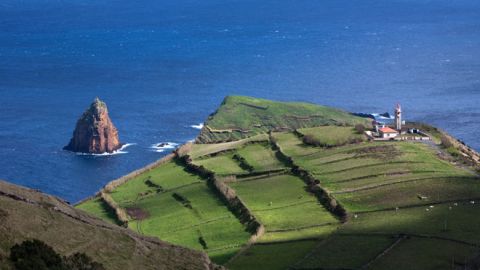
[
  {"x": 419, "y": 205},
  {"x": 233, "y": 202},
  {"x": 120, "y": 213},
  {"x": 109, "y": 187},
  {"x": 228, "y": 195},
  {"x": 324, "y": 197},
  {"x": 384, "y": 252},
  {"x": 231, "y": 150},
  {"x": 385, "y": 184}
]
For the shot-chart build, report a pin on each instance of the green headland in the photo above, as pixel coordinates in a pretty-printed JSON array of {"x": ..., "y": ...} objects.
[{"x": 278, "y": 185}]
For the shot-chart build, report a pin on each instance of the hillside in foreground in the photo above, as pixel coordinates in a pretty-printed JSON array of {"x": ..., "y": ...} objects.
[
  {"x": 26, "y": 214},
  {"x": 274, "y": 200}
]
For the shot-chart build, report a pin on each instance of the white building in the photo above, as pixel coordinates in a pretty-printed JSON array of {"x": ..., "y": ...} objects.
[{"x": 387, "y": 133}]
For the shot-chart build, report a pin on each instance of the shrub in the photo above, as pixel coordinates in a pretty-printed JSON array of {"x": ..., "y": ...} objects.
[
  {"x": 446, "y": 142},
  {"x": 309, "y": 139},
  {"x": 80, "y": 261},
  {"x": 360, "y": 128},
  {"x": 36, "y": 255}
]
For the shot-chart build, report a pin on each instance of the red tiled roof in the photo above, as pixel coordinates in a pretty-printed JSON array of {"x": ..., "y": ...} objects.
[{"x": 388, "y": 130}]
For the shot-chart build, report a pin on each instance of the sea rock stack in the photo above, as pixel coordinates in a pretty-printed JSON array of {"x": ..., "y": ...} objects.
[{"x": 94, "y": 132}]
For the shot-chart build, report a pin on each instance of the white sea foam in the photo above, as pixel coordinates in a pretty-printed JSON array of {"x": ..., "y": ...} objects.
[
  {"x": 161, "y": 147},
  {"x": 199, "y": 126},
  {"x": 378, "y": 116},
  {"x": 117, "y": 152}
]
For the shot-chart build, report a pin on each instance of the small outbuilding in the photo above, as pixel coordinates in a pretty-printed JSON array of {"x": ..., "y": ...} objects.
[{"x": 387, "y": 132}]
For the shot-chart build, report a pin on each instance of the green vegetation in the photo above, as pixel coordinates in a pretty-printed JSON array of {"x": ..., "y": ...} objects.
[
  {"x": 390, "y": 178},
  {"x": 222, "y": 164},
  {"x": 26, "y": 214},
  {"x": 240, "y": 117},
  {"x": 272, "y": 256},
  {"x": 199, "y": 150},
  {"x": 260, "y": 157},
  {"x": 331, "y": 136},
  {"x": 36, "y": 255},
  {"x": 426, "y": 254},
  {"x": 348, "y": 204},
  {"x": 281, "y": 203},
  {"x": 455, "y": 220},
  {"x": 99, "y": 208},
  {"x": 346, "y": 252},
  {"x": 177, "y": 206}
]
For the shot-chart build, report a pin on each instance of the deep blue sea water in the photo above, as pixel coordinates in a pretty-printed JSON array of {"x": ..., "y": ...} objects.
[{"x": 162, "y": 66}]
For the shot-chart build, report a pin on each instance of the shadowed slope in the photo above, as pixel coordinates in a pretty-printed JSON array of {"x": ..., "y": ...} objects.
[{"x": 28, "y": 214}]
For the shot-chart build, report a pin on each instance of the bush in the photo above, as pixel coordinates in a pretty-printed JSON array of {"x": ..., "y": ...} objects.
[
  {"x": 360, "y": 128},
  {"x": 80, "y": 261},
  {"x": 309, "y": 139},
  {"x": 446, "y": 142},
  {"x": 36, "y": 255}
]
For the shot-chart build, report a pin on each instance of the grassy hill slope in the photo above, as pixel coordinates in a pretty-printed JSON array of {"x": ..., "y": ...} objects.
[
  {"x": 28, "y": 214},
  {"x": 240, "y": 117}
]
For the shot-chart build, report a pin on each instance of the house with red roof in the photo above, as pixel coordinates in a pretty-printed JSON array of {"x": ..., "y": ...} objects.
[{"x": 387, "y": 132}]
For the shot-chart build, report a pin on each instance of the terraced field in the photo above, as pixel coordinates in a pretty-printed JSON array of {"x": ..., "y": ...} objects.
[
  {"x": 399, "y": 194},
  {"x": 177, "y": 206},
  {"x": 331, "y": 136},
  {"x": 260, "y": 157},
  {"x": 271, "y": 201},
  {"x": 225, "y": 164},
  {"x": 282, "y": 204}
]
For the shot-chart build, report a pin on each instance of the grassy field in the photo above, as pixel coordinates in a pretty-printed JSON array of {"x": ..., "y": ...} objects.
[
  {"x": 331, "y": 136},
  {"x": 373, "y": 176},
  {"x": 320, "y": 232},
  {"x": 199, "y": 150},
  {"x": 177, "y": 206},
  {"x": 408, "y": 194},
  {"x": 272, "y": 256},
  {"x": 346, "y": 252},
  {"x": 449, "y": 220},
  {"x": 223, "y": 164},
  {"x": 425, "y": 254},
  {"x": 286, "y": 205},
  {"x": 166, "y": 177},
  {"x": 260, "y": 116},
  {"x": 260, "y": 157},
  {"x": 391, "y": 175},
  {"x": 99, "y": 208},
  {"x": 293, "y": 146}
]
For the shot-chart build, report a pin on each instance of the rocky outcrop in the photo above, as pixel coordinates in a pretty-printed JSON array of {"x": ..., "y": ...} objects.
[{"x": 94, "y": 132}]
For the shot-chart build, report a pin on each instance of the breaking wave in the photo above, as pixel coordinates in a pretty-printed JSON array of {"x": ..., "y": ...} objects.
[
  {"x": 120, "y": 151},
  {"x": 161, "y": 147},
  {"x": 199, "y": 126},
  {"x": 379, "y": 116}
]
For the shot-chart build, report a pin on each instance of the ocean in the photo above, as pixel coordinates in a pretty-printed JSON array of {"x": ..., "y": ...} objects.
[{"x": 163, "y": 66}]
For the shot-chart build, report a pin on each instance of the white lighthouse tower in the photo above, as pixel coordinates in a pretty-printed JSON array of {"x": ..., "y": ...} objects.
[{"x": 398, "y": 117}]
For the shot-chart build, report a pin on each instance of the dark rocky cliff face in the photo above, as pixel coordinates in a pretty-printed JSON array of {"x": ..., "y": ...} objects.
[{"x": 94, "y": 132}]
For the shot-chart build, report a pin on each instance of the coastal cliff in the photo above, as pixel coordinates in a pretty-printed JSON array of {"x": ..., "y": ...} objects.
[{"x": 95, "y": 132}]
